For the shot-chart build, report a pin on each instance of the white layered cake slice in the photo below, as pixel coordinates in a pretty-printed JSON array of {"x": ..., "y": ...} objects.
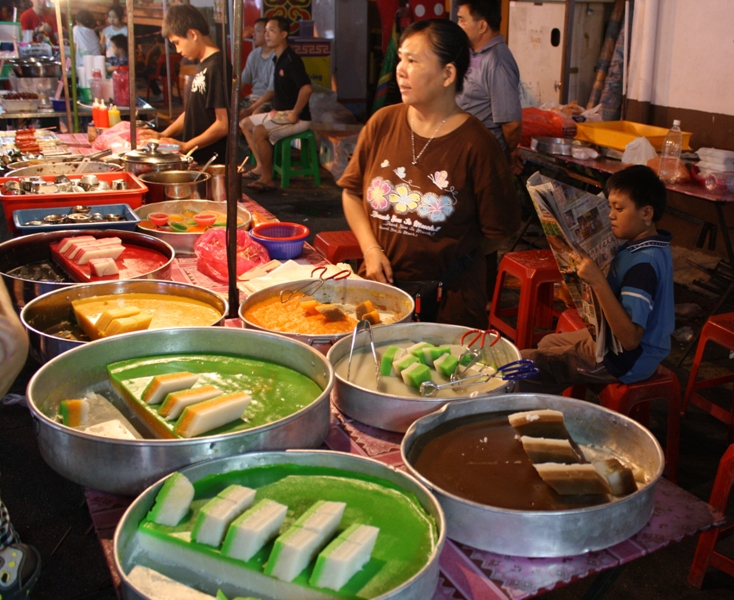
[
  {"x": 66, "y": 243},
  {"x": 103, "y": 267},
  {"x": 299, "y": 545},
  {"x": 210, "y": 414},
  {"x": 162, "y": 385},
  {"x": 216, "y": 515},
  {"x": 176, "y": 402},
  {"x": 344, "y": 556},
  {"x": 172, "y": 501},
  {"x": 253, "y": 529}
]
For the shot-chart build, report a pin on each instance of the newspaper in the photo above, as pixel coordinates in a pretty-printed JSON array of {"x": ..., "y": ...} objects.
[{"x": 573, "y": 219}]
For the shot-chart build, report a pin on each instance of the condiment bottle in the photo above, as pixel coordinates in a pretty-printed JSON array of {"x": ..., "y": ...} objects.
[
  {"x": 114, "y": 115},
  {"x": 95, "y": 112},
  {"x": 104, "y": 120},
  {"x": 121, "y": 86}
]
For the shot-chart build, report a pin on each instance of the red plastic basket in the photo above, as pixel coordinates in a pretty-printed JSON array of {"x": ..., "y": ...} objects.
[{"x": 282, "y": 240}]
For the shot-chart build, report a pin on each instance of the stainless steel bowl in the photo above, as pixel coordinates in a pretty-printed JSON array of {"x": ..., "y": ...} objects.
[
  {"x": 344, "y": 291},
  {"x": 129, "y": 466},
  {"x": 175, "y": 185},
  {"x": 396, "y": 413},
  {"x": 50, "y": 311},
  {"x": 420, "y": 587},
  {"x": 183, "y": 242},
  {"x": 33, "y": 248},
  {"x": 63, "y": 169},
  {"x": 546, "y": 533}
]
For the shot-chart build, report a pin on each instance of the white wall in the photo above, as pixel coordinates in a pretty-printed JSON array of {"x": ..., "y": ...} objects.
[{"x": 694, "y": 55}]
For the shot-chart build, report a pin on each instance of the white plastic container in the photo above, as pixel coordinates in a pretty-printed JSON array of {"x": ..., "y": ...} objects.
[{"x": 716, "y": 159}]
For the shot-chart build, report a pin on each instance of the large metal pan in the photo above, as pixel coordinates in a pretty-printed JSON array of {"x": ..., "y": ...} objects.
[
  {"x": 343, "y": 291},
  {"x": 396, "y": 413},
  {"x": 182, "y": 241},
  {"x": 129, "y": 466},
  {"x": 175, "y": 185},
  {"x": 419, "y": 587},
  {"x": 546, "y": 533},
  {"x": 50, "y": 311},
  {"x": 34, "y": 248}
]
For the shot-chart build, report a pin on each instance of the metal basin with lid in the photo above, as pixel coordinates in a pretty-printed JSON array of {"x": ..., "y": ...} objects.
[
  {"x": 175, "y": 185},
  {"x": 150, "y": 158},
  {"x": 547, "y": 533}
]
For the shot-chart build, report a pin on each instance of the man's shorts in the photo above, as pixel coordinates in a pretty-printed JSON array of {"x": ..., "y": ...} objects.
[{"x": 276, "y": 131}]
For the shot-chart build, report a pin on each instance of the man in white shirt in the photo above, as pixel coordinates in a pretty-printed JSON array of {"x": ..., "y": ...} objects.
[{"x": 258, "y": 71}]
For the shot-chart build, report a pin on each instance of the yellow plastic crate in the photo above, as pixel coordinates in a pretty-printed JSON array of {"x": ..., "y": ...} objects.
[{"x": 617, "y": 134}]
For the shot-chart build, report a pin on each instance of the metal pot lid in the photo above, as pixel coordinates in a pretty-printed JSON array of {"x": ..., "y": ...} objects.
[{"x": 149, "y": 154}]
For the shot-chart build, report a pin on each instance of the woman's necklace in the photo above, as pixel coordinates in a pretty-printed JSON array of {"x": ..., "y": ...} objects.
[{"x": 428, "y": 143}]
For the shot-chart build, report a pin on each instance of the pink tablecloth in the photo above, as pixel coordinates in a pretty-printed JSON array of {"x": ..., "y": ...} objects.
[{"x": 467, "y": 573}]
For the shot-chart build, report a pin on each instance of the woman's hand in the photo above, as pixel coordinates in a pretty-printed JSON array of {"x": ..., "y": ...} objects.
[
  {"x": 587, "y": 269},
  {"x": 377, "y": 266},
  {"x": 148, "y": 134}
]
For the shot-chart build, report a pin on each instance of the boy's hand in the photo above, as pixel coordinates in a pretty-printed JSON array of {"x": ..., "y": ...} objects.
[{"x": 587, "y": 269}]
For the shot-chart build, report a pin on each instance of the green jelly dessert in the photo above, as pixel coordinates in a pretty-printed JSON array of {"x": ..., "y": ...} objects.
[
  {"x": 406, "y": 542},
  {"x": 277, "y": 391}
]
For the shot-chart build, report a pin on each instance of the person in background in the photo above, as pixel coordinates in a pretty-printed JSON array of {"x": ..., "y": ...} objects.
[
  {"x": 205, "y": 123},
  {"x": 40, "y": 21},
  {"x": 20, "y": 564},
  {"x": 115, "y": 27},
  {"x": 428, "y": 183},
  {"x": 6, "y": 11},
  {"x": 491, "y": 92},
  {"x": 258, "y": 71},
  {"x": 85, "y": 38},
  {"x": 636, "y": 296},
  {"x": 289, "y": 94},
  {"x": 119, "y": 52}
]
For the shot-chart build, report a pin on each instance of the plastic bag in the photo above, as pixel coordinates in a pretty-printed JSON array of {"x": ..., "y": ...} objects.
[
  {"x": 211, "y": 254},
  {"x": 545, "y": 123},
  {"x": 681, "y": 174},
  {"x": 116, "y": 136},
  {"x": 638, "y": 152}
]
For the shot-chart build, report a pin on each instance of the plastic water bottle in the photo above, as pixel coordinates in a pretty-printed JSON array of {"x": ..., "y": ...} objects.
[{"x": 670, "y": 156}]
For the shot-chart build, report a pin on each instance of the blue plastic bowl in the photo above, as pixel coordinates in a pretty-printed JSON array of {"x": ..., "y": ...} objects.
[
  {"x": 59, "y": 105},
  {"x": 281, "y": 240}
]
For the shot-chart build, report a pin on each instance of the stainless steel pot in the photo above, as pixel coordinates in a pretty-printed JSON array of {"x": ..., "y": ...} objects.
[
  {"x": 397, "y": 413},
  {"x": 175, "y": 185},
  {"x": 344, "y": 291},
  {"x": 149, "y": 158},
  {"x": 36, "y": 67},
  {"x": 419, "y": 587},
  {"x": 549, "y": 533},
  {"x": 34, "y": 248},
  {"x": 51, "y": 311},
  {"x": 129, "y": 466}
]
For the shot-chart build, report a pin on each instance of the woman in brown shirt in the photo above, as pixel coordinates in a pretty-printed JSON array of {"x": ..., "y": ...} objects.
[{"x": 428, "y": 182}]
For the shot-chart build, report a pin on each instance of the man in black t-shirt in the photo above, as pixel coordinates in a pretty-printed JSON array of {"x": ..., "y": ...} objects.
[
  {"x": 289, "y": 94},
  {"x": 205, "y": 123}
]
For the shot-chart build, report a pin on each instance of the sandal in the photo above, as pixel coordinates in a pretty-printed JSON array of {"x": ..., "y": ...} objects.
[
  {"x": 259, "y": 186},
  {"x": 251, "y": 175},
  {"x": 20, "y": 566}
]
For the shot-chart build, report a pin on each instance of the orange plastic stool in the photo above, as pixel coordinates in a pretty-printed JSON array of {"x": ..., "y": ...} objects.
[
  {"x": 706, "y": 555},
  {"x": 537, "y": 271},
  {"x": 719, "y": 329},
  {"x": 338, "y": 246}
]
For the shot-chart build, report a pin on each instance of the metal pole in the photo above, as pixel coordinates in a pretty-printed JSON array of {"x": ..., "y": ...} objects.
[
  {"x": 72, "y": 51},
  {"x": 567, "y": 45},
  {"x": 60, "y": 27},
  {"x": 131, "y": 73},
  {"x": 232, "y": 175},
  {"x": 169, "y": 75}
]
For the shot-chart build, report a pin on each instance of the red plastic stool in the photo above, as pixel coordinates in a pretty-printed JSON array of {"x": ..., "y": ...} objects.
[
  {"x": 570, "y": 320},
  {"x": 706, "y": 555},
  {"x": 719, "y": 329},
  {"x": 338, "y": 246},
  {"x": 537, "y": 271}
]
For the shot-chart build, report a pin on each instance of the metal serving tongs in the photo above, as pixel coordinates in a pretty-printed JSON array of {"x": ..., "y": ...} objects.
[
  {"x": 314, "y": 285},
  {"x": 364, "y": 325},
  {"x": 518, "y": 369},
  {"x": 473, "y": 354}
]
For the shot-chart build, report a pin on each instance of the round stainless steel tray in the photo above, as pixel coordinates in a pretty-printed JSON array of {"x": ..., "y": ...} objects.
[
  {"x": 128, "y": 466},
  {"x": 420, "y": 587},
  {"x": 549, "y": 533}
]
